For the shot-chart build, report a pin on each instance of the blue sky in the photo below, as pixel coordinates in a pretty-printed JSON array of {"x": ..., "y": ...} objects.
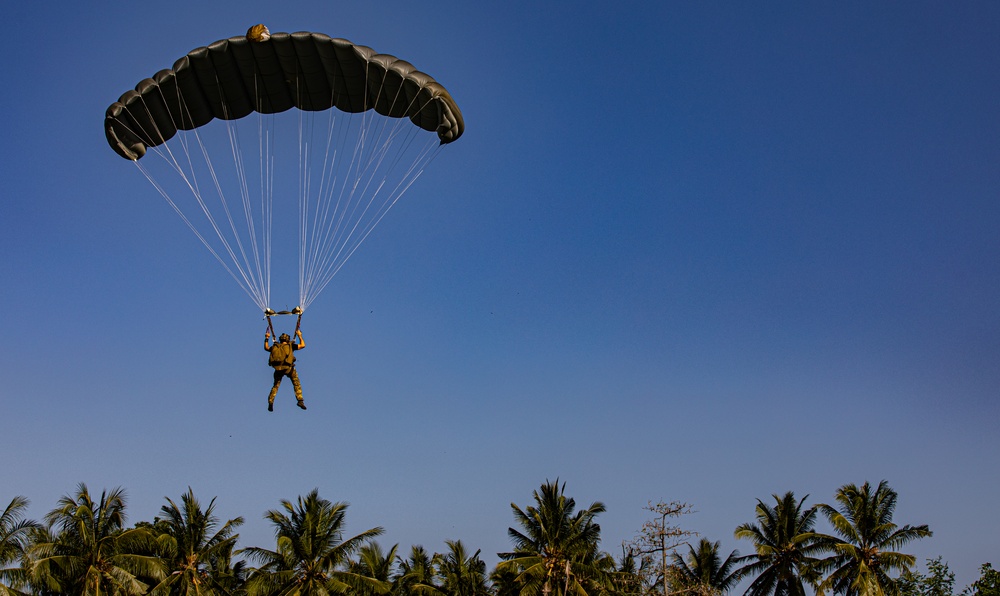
[{"x": 694, "y": 251}]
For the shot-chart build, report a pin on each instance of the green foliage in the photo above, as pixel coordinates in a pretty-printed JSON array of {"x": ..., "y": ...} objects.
[
  {"x": 556, "y": 549},
  {"x": 461, "y": 574},
  {"x": 939, "y": 580},
  {"x": 375, "y": 564},
  {"x": 311, "y": 557},
  {"x": 785, "y": 547},
  {"x": 703, "y": 572},
  {"x": 988, "y": 583},
  {"x": 85, "y": 549},
  {"x": 197, "y": 551},
  {"x": 416, "y": 575},
  {"x": 628, "y": 578},
  {"x": 863, "y": 553},
  {"x": 14, "y": 535}
]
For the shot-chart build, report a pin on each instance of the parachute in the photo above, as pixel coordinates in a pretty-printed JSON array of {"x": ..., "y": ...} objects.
[{"x": 221, "y": 121}]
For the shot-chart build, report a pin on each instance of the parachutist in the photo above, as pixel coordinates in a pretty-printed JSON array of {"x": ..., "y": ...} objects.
[{"x": 282, "y": 360}]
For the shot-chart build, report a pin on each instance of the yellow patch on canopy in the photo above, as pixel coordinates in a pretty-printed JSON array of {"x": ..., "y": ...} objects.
[{"x": 258, "y": 33}]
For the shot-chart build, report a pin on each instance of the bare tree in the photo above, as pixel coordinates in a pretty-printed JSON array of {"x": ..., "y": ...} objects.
[{"x": 656, "y": 540}]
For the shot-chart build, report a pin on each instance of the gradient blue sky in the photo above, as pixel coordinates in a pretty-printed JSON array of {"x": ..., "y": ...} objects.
[{"x": 697, "y": 251}]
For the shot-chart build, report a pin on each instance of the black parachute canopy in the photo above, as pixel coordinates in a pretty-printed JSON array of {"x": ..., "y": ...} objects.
[{"x": 234, "y": 77}]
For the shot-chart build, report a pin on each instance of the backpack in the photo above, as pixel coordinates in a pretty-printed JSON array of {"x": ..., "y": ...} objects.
[{"x": 281, "y": 356}]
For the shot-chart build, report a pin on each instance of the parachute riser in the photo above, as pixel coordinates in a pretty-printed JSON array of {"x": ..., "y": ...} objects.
[{"x": 268, "y": 313}]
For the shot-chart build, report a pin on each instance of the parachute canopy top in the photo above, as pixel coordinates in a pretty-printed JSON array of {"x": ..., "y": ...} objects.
[{"x": 273, "y": 72}]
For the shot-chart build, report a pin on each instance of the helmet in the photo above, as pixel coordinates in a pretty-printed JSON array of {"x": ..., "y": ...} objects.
[{"x": 284, "y": 337}]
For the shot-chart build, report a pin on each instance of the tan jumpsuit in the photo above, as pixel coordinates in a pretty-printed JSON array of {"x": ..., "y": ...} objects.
[{"x": 284, "y": 370}]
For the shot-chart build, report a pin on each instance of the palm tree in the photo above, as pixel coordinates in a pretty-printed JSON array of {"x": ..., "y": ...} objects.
[
  {"x": 864, "y": 554},
  {"x": 197, "y": 551},
  {"x": 375, "y": 564},
  {"x": 416, "y": 575},
  {"x": 14, "y": 530},
  {"x": 85, "y": 549},
  {"x": 627, "y": 577},
  {"x": 461, "y": 574},
  {"x": 228, "y": 576},
  {"x": 557, "y": 552},
  {"x": 311, "y": 554},
  {"x": 703, "y": 572},
  {"x": 785, "y": 546}
]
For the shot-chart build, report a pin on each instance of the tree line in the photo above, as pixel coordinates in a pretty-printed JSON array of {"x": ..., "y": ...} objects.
[{"x": 84, "y": 547}]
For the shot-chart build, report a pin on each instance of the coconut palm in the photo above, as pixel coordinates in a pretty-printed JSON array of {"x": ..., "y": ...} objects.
[
  {"x": 375, "y": 564},
  {"x": 865, "y": 552},
  {"x": 85, "y": 549},
  {"x": 228, "y": 576},
  {"x": 14, "y": 533},
  {"x": 557, "y": 551},
  {"x": 504, "y": 582},
  {"x": 460, "y": 573},
  {"x": 703, "y": 572},
  {"x": 416, "y": 575},
  {"x": 627, "y": 577},
  {"x": 785, "y": 548},
  {"x": 198, "y": 552},
  {"x": 311, "y": 555}
]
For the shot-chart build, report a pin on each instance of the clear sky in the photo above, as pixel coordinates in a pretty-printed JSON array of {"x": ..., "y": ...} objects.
[{"x": 685, "y": 250}]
